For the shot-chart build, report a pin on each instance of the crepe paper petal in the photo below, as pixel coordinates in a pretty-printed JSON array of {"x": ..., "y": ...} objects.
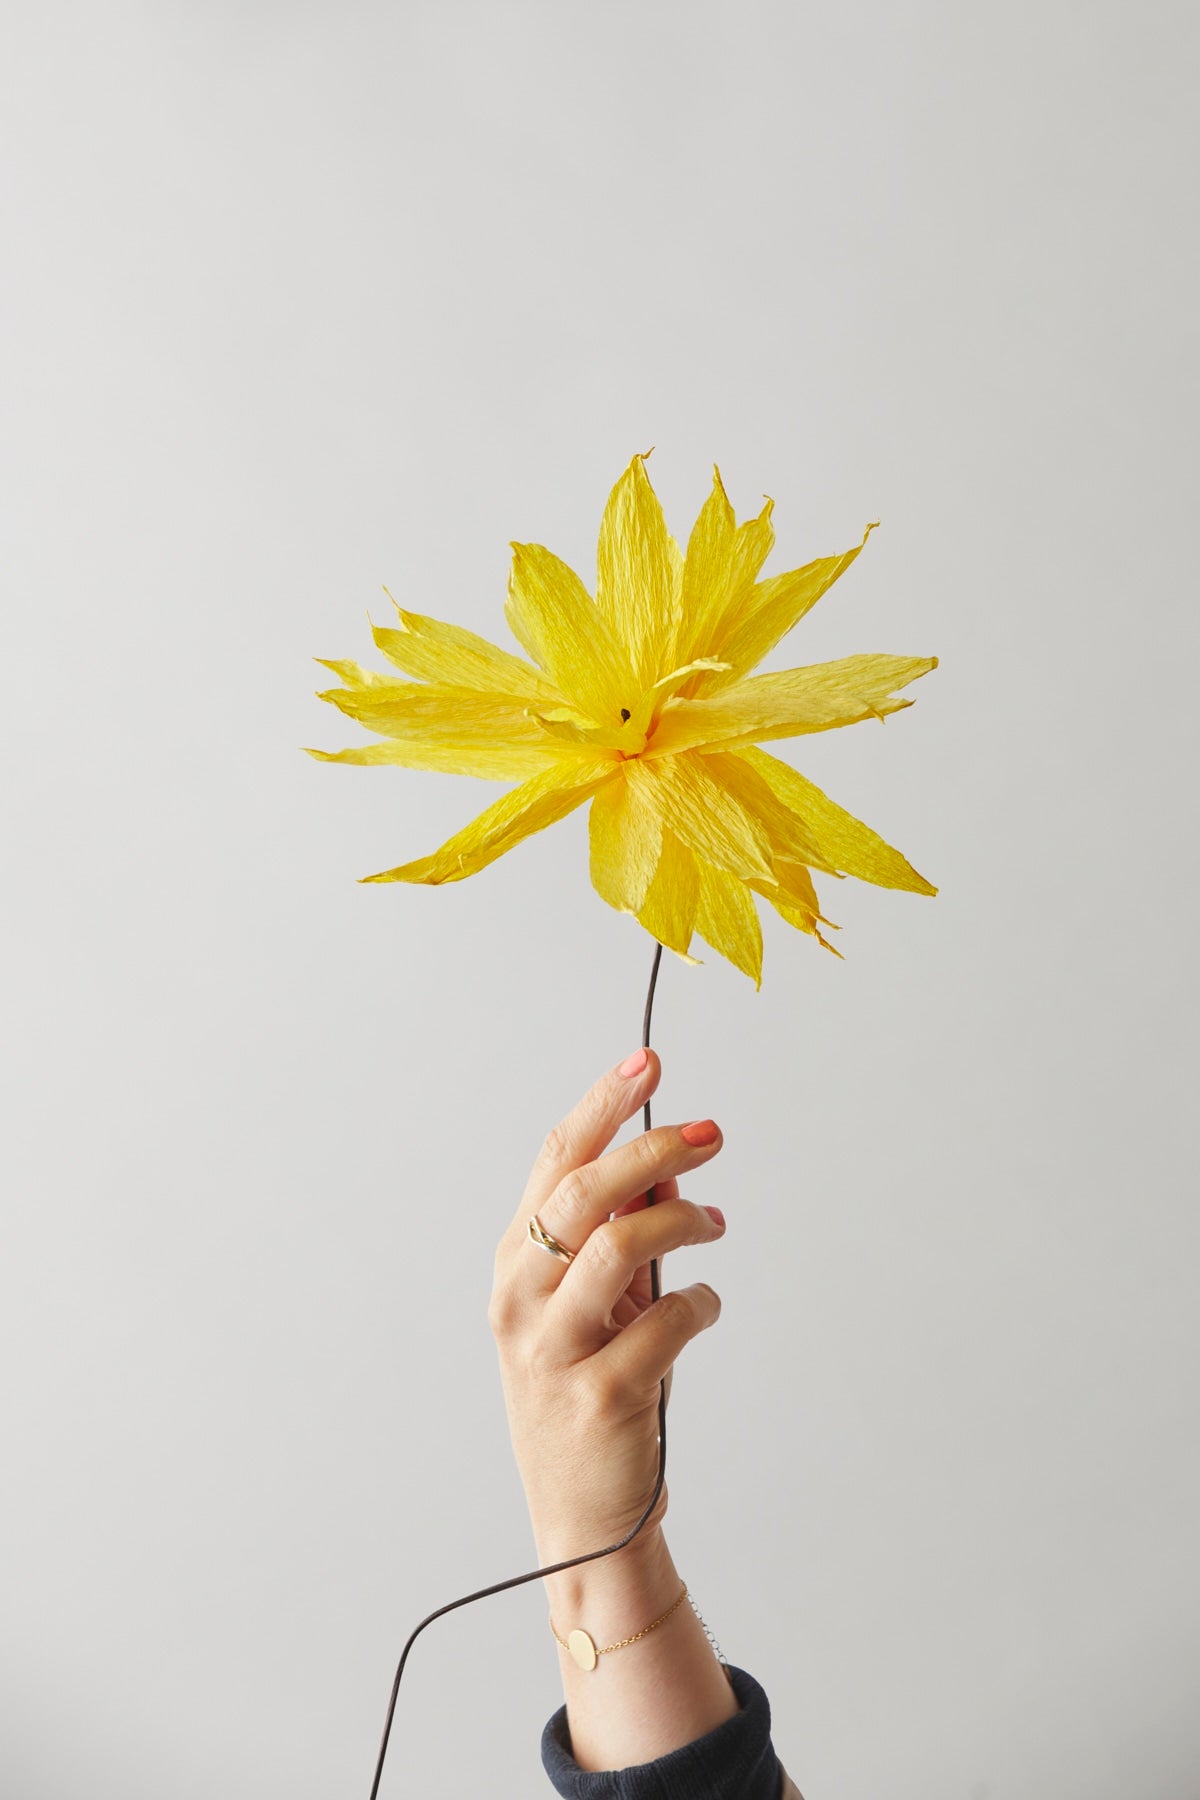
[
  {"x": 727, "y": 918},
  {"x": 572, "y": 728},
  {"x": 844, "y": 841},
  {"x": 453, "y": 657},
  {"x": 785, "y": 830},
  {"x": 703, "y": 814},
  {"x": 793, "y": 884},
  {"x": 669, "y": 912},
  {"x": 675, "y": 563},
  {"x": 382, "y": 688},
  {"x": 537, "y": 803},
  {"x": 753, "y": 544},
  {"x": 724, "y": 564},
  {"x": 802, "y": 919},
  {"x": 553, "y": 617},
  {"x": 789, "y": 704},
  {"x": 774, "y": 607},
  {"x": 625, "y": 835},
  {"x": 795, "y": 899},
  {"x": 354, "y": 675},
  {"x": 487, "y": 761},
  {"x": 707, "y": 564},
  {"x": 640, "y": 723},
  {"x": 668, "y": 683},
  {"x": 448, "y": 717},
  {"x": 637, "y": 589}
]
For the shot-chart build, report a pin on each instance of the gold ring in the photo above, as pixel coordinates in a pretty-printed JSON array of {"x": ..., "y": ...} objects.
[{"x": 540, "y": 1235}]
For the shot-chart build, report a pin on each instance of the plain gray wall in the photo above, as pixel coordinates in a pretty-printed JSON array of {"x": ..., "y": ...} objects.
[{"x": 305, "y": 299}]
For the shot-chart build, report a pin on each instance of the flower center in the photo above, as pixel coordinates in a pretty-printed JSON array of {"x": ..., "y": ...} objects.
[{"x": 625, "y": 715}]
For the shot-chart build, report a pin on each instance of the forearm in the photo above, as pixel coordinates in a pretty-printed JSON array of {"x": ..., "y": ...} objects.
[{"x": 649, "y": 1698}]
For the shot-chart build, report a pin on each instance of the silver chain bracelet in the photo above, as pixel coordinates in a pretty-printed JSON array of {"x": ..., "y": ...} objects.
[{"x": 716, "y": 1648}]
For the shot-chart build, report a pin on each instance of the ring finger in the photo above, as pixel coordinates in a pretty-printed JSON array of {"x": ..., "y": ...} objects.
[{"x": 583, "y": 1310}]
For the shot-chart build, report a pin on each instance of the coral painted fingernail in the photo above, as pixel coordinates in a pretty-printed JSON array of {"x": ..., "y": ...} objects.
[
  {"x": 716, "y": 1215},
  {"x": 633, "y": 1065},
  {"x": 700, "y": 1131}
]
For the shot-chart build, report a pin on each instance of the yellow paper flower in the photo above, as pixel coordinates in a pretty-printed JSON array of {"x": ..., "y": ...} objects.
[{"x": 642, "y": 702}]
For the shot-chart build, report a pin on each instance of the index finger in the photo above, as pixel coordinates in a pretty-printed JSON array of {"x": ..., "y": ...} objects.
[{"x": 589, "y": 1128}]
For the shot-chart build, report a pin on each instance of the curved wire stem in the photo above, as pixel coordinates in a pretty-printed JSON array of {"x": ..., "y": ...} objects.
[{"x": 501, "y": 1587}]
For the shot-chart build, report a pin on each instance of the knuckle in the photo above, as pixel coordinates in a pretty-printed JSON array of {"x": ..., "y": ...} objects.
[
  {"x": 555, "y": 1147},
  {"x": 502, "y": 1312},
  {"x": 708, "y": 1305},
  {"x": 504, "y": 1305},
  {"x": 648, "y": 1151},
  {"x": 529, "y": 1357},
  {"x": 572, "y": 1195},
  {"x": 677, "y": 1312},
  {"x": 603, "y": 1391},
  {"x": 607, "y": 1245}
]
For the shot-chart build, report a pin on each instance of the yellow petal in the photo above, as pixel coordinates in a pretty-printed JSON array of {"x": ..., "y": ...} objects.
[
  {"x": 516, "y": 815},
  {"x": 786, "y": 832},
  {"x": 637, "y": 587},
  {"x": 668, "y": 683},
  {"x": 488, "y": 761},
  {"x": 669, "y": 913},
  {"x": 571, "y": 727},
  {"x": 751, "y": 548},
  {"x": 701, "y": 812},
  {"x": 793, "y": 886},
  {"x": 636, "y": 728},
  {"x": 795, "y": 899},
  {"x": 675, "y": 559},
  {"x": 844, "y": 841},
  {"x": 726, "y": 918},
  {"x": 553, "y": 616},
  {"x": 770, "y": 612},
  {"x": 788, "y": 704},
  {"x": 801, "y": 917},
  {"x": 356, "y": 676},
  {"x": 707, "y": 565},
  {"x": 447, "y": 654},
  {"x": 719, "y": 579},
  {"x": 454, "y": 729},
  {"x": 626, "y": 836}
]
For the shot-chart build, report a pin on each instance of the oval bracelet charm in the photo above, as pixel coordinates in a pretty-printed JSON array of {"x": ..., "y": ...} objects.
[{"x": 582, "y": 1649}]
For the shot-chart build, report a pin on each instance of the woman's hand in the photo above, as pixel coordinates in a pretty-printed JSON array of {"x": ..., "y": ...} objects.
[
  {"x": 583, "y": 1349},
  {"x": 582, "y": 1346}
]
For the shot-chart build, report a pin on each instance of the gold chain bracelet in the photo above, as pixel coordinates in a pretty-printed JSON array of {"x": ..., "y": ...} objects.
[{"x": 584, "y": 1651}]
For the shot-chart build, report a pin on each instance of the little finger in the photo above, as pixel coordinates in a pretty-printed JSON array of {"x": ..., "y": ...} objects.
[{"x": 638, "y": 1358}]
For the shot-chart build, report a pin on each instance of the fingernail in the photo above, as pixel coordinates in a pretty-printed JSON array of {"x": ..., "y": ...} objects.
[
  {"x": 716, "y": 1215},
  {"x": 633, "y": 1065},
  {"x": 700, "y": 1131}
]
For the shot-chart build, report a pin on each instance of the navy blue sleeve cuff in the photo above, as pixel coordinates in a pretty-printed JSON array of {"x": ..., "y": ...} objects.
[{"x": 735, "y": 1761}]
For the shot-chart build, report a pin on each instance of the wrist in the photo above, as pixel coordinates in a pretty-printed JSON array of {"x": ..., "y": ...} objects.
[
  {"x": 648, "y": 1681},
  {"x": 560, "y": 1536},
  {"x": 562, "y": 1544},
  {"x": 617, "y": 1594}
]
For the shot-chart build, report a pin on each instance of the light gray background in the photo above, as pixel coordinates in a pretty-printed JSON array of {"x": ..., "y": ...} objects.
[{"x": 305, "y": 299}]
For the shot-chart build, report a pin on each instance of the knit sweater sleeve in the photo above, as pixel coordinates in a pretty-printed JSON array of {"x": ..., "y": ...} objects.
[{"x": 734, "y": 1761}]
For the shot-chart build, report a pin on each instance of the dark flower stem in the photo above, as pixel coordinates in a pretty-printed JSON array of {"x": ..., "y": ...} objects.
[{"x": 589, "y": 1555}]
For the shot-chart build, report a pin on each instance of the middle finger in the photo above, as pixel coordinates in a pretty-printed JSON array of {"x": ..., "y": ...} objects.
[{"x": 584, "y": 1198}]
